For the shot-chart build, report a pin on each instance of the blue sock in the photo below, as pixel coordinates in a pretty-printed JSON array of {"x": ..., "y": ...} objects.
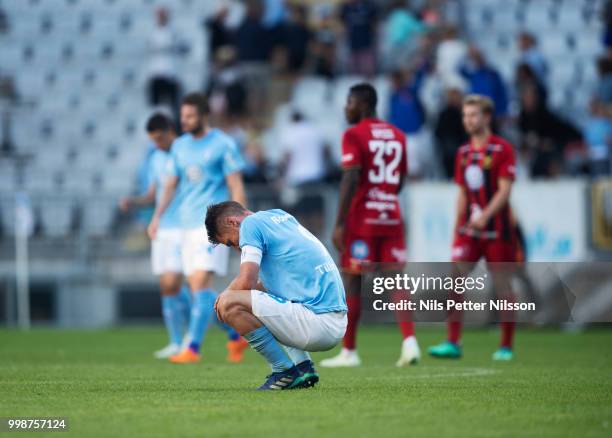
[
  {"x": 172, "y": 318},
  {"x": 266, "y": 344},
  {"x": 232, "y": 334},
  {"x": 297, "y": 356},
  {"x": 202, "y": 310},
  {"x": 185, "y": 299}
]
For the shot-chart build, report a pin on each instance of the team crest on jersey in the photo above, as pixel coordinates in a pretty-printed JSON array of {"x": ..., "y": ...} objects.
[
  {"x": 359, "y": 250},
  {"x": 194, "y": 174},
  {"x": 474, "y": 177}
]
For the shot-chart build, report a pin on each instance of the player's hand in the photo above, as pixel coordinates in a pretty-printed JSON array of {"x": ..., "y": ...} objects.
[
  {"x": 152, "y": 228},
  {"x": 479, "y": 223},
  {"x": 217, "y": 310},
  {"x": 125, "y": 204},
  {"x": 338, "y": 237}
]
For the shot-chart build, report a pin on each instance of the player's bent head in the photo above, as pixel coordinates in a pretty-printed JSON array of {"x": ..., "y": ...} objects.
[
  {"x": 223, "y": 223},
  {"x": 361, "y": 102},
  {"x": 161, "y": 130},
  {"x": 194, "y": 107},
  {"x": 478, "y": 112}
]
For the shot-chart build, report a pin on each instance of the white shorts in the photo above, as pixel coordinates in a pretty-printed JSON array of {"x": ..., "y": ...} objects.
[
  {"x": 200, "y": 255},
  {"x": 297, "y": 326},
  {"x": 166, "y": 251}
]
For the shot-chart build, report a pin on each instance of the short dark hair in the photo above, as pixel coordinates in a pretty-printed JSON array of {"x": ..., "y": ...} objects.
[
  {"x": 159, "y": 122},
  {"x": 366, "y": 93},
  {"x": 198, "y": 100},
  {"x": 215, "y": 213}
]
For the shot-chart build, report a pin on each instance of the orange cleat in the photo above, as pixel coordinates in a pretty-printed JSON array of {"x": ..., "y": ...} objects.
[
  {"x": 235, "y": 350},
  {"x": 186, "y": 356}
]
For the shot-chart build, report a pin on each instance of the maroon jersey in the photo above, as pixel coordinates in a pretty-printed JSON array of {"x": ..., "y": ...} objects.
[
  {"x": 379, "y": 149},
  {"x": 478, "y": 172}
]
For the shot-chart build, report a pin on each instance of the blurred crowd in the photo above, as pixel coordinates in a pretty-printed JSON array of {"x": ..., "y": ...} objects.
[{"x": 258, "y": 49}]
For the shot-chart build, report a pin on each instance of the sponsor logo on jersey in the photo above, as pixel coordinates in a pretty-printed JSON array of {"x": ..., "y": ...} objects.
[
  {"x": 359, "y": 250},
  {"x": 474, "y": 177},
  {"x": 194, "y": 174}
]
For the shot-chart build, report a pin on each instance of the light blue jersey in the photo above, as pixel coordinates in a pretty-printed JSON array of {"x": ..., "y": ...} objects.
[
  {"x": 295, "y": 265},
  {"x": 201, "y": 166},
  {"x": 158, "y": 172}
]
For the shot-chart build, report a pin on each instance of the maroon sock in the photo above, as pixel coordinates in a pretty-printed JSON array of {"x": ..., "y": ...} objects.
[
  {"x": 353, "y": 302},
  {"x": 507, "y": 333},
  {"x": 403, "y": 317},
  {"x": 454, "y": 331}
]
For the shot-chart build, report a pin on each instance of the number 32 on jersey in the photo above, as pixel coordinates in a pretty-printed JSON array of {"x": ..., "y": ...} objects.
[{"x": 386, "y": 171}]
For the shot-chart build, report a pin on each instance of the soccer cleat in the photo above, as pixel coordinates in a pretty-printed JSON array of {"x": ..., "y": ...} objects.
[
  {"x": 288, "y": 379},
  {"x": 504, "y": 353},
  {"x": 186, "y": 356},
  {"x": 167, "y": 351},
  {"x": 308, "y": 374},
  {"x": 446, "y": 350},
  {"x": 235, "y": 350},
  {"x": 346, "y": 358},
  {"x": 411, "y": 353}
]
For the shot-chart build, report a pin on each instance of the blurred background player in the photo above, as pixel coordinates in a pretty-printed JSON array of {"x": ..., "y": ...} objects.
[
  {"x": 206, "y": 164},
  {"x": 166, "y": 247},
  {"x": 369, "y": 230},
  {"x": 484, "y": 171}
]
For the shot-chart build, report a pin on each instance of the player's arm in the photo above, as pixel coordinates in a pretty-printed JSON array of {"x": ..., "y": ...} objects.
[
  {"x": 247, "y": 278},
  {"x": 498, "y": 201},
  {"x": 348, "y": 187},
  {"x": 236, "y": 187},
  {"x": 462, "y": 205},
  {"x": 166, "y": 198},
  {"x": 144, "y": 200}
]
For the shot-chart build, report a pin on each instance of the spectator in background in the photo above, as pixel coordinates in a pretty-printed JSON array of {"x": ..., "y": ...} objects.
[
  {"x": 406, "y": 111},
  {"x": 252, "y": 39},
  {"x": 254, "y": 45},
  {"x": 226, "y": 91},
  {"x": 485, "y": 80},
  {"x": 303, "y": 164},
  {"x": 400, "y": 34},
  {"x": 359, "y": 18},
  {"x": 598, "y": 137},
  {"x": 603, "y": 91},
  {"x": 451, "y": 53},
  {"x": 526, "y": 77},
  {"x": 531, "y": 55},
  {"x": 544, "y": 135},
  {"x": 164, "y": 49},
  {"x": 297, "y": 37},
  {"x": 449, "y": 131},
  {"x": 219, "y": 36},
  {"x": 606, "y": 16},
  {"x": 324, "y": 45}
]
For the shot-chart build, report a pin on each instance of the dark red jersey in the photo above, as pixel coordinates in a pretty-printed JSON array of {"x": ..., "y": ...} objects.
[
  {"x": 379, "y": 150},
  {"x": 478, "y": 172}
]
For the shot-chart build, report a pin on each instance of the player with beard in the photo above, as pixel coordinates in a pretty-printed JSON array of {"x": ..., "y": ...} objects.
[
  {"x": 207, "y": 164},
  {"x": 484, "y": 171},
  {"x": 369, "y": 230}
]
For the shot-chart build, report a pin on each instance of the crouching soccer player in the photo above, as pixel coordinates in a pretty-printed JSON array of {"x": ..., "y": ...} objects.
[{"x": 298, "y": 306}]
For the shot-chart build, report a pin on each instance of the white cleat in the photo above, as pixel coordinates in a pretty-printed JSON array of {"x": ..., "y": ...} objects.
[
  {"x": 411, "y": 353},
  {"x": 346, "y": 358},
  {"x": 167, "y": 351}
]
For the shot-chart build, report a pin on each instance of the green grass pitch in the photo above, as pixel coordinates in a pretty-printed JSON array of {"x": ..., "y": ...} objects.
[{"x": 108, "y": 385}]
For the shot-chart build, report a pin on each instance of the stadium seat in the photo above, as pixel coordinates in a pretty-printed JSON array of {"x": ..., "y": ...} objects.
[{"x": 56, "y": 215}]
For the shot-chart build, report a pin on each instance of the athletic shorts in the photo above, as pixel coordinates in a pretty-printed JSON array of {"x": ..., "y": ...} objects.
[
  {"x": 200, "y": 255},
  {"x": 469, "y": 249},
  {"x": 365, "y": 253},
  {"x": 297, "y": 326},
  {"x": 166, "y": 251}
]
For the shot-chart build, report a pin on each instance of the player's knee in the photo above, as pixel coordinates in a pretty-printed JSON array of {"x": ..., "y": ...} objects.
[{"x": 228, "y": 304}]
